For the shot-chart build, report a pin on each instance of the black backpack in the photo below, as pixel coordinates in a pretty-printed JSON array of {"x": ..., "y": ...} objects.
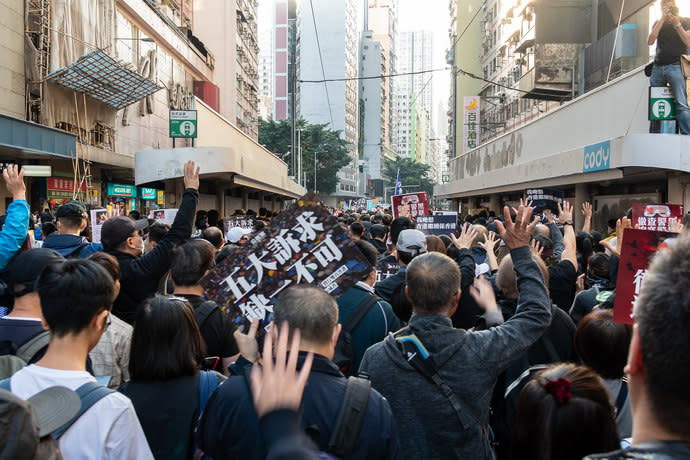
[
  {"x": 202, "y": 313},
  {"x": 344, "y": 356}
]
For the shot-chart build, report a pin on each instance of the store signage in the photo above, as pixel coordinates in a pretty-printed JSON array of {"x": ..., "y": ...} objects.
[
  {"x": 662, "y": 106},
  {"x": 183, "y": 124},
  {"x": 148, "y": 193},
  {"x": 129, "y": 191},
  {"x": 471, "y": 124},
  {"x": 160, "y": 198},
  {"x": 63, "y": 185},
  {"x": 597, "y": 157}
]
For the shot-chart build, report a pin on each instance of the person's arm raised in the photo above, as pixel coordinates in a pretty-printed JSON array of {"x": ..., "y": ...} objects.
[{"x": 16, "y": 226}]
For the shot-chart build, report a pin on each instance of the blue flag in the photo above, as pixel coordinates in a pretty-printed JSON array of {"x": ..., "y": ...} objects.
[{"x": 398, "y": 185}]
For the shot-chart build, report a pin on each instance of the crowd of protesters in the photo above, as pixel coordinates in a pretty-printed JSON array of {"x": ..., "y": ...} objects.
[{"x": 497, "y": 341}]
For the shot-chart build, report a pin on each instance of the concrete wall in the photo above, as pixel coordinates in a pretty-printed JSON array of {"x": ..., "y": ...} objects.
[{"x": 12, "y": 62}]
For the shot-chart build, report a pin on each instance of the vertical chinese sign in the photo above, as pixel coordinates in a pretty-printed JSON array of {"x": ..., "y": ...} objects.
[
  {"x": 304, "y": 245},
  {"x": 471, "y": 123},
  {"x": 638, "y": 249}
]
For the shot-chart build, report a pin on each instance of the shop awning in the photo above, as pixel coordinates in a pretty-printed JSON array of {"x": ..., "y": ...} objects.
[
  {"x": 24, "y": 139},
  {"x": 103, "y": 78}
]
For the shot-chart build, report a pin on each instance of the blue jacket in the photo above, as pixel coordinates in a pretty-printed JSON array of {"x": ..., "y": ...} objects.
[
  {"x": 229, "y": 428},
  {"x": 14, "y": 231},
  {"x": 71, "y": 245},
  {"x": 374, "y": 327}
]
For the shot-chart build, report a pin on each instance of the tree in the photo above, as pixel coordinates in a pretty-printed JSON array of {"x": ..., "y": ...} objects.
[
  {"x": 317, "y": 143},
  {"x": 412, "y": 173}
]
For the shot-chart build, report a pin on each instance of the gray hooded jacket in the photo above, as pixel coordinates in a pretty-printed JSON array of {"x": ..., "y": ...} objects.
[{"x": 469, "y": 362}]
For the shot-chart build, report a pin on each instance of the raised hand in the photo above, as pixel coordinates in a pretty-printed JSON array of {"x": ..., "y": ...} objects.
[
  {"x": 517, "y": 234},
  {"x": 467, "y": 236},
  {"x": 565, "y": 212},
  {"x": 191, "y": 175},
  {"x": 536, "y": 248},
  {"x": 247, "y": 344},
  {"x": 490, "y": 242},
  {"x": 483, "y": 293},
  {"x": 14, "y": 181},
  {"x": 587, "y": 210},
  {"x": 278, "y": 385}
]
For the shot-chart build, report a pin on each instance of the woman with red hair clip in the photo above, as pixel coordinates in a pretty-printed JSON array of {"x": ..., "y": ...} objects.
[{"x": 564, "y": 413}]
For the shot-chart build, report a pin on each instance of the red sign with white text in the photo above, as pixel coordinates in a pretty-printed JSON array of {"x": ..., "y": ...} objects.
[
  {"x": 411, "y": 205},
  {"x": 64, "y": 185},
  {"x": 639, "y": 246},
  {"x": 656, "y": 217}
]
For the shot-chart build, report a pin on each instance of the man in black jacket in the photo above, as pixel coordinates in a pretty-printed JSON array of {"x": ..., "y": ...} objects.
[
  {"x": 141, "y": 273},
  {"x": 229, "y": 427}
]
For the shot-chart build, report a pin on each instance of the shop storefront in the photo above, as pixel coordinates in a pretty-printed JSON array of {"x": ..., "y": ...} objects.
[
  {"x": 122, "y": 197},
  {"x": 151, "y": 199}
]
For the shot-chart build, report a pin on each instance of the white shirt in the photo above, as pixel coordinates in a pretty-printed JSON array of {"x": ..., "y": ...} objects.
[{"x": 110, "y": 429}]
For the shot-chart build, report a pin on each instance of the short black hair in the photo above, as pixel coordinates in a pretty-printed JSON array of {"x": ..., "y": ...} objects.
[
  {"x": 110, "y": 263},
  {"x": 72, "y": 293},
  {"x": 602, "y": 344},
  {"x": 213, "y": 217},
  {"x": 190, "y": 261},
  {"x": 157, "y": 231},
  {"x": 662, "y": 316},
  {"x": 368, "y": 250},
  {"x": 166, "y": 341},
  {"x": 398, "y": 225},
  {"x": 214, "y": 236},
  {"x": 357, "y": 229}
]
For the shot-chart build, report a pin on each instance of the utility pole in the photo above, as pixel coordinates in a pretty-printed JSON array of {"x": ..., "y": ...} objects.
[
  {"x": 299, "y": 156},
  {"x": 293, "y": 111},
  {"x": 314, "y": 171}
]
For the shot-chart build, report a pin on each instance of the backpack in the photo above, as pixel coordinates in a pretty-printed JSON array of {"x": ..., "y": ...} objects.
[
  {"x": 350, "y": 418},
  {"x": 19, "y": 357},
  {"x": 344, "y": 356},
  {"x": 207, "y": 385},
  {"x": 202, "y": 313},
  {"x": 89, "y": 394}
]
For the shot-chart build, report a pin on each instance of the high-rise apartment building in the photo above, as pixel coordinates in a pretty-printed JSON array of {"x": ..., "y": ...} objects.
[
  {"x": 414, "y": 94},
  {"x": 230, "y": 27},
  {"x": 328, "y": 49}
]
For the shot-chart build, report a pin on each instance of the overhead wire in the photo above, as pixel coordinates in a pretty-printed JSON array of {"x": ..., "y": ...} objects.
[{"x": 323, "y": 71}]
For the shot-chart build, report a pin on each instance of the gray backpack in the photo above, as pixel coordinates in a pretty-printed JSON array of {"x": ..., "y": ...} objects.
[{"x": 11, "y": 363}]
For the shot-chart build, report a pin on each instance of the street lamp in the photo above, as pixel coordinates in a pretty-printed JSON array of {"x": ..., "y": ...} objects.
[
  {"x": 314, "y": 171},
  {"x": 299, "y": 156}
]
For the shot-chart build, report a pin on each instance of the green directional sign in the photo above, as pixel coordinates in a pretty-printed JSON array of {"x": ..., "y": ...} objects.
[
  {"x": 183, "y": 124},
  {"x": 662, "y": 106}
]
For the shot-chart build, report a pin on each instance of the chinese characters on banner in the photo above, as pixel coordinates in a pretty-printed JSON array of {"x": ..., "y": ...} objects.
[
  {"x": 472, "y": 128},
  {"x": 438, "y": 225},
  {"x": 386, "y": 270},
  {"x": 304, "y": 245},
  {"x": 544, "y": 198},
  {"x": 638, "y": 249},
  {"x": 656, "y": 217},
  {"x": 410, "y": 205},
  {"x": 244, "y": 222}
]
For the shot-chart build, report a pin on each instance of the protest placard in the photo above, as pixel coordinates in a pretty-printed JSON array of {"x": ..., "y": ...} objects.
[
  {"x": 98, "y": 217},
  {"x": 163, "y": 215},
  {"x": 438, "y": 225},
  {"x": 544, "y": 198},
  {"x": 386, "y": 270},
  {"x": 304, "y": 245},
  {"x": 639, "y": 246},
  {"x": 656, "y": 217},
  {"x": 410, "y": 205},
  {"x": 243, "y": 222}
]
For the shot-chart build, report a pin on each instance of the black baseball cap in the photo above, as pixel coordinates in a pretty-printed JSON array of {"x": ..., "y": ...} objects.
[
  {"x": 27, "y": 267},
  {"x": 117, "y": 229},
  {"x": 378, "y": 231},
  {"x": 72, "y": 210}
]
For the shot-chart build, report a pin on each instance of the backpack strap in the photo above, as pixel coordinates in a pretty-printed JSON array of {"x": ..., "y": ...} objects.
[
  {"x": 620, "y": 399},
  {"x": 5, "y": 385},
  {"x": 31, "y": 347},
  {"x": 89, "y": 393},
  {"x": 207, "y": 385},
  {"x": 350, "y": 418},
  {"x": 203, "y": 311},
  {"x": 419, "y": 358},
  {"x": 360, "y": 312},
  {"x": 77, "y": 251}
]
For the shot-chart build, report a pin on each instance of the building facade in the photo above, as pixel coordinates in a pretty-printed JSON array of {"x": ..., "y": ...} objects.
[
  {"x": 414, "y": 94},
  {"x": 544, "y": 117},
  {"x": 328, "y": 50}
]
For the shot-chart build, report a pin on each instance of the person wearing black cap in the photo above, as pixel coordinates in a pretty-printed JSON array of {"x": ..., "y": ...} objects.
[
  {"x": 23, "y": 323},
  {"x": 72, "y": 219},
  {"x": 141, "y": 273}
]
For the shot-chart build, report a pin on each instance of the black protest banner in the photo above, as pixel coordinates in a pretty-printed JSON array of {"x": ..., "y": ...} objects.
[
  {"x": 243, "y": 222},
  {"x": 303, "y": 245},
  {"x": 437, "y": 225}
]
